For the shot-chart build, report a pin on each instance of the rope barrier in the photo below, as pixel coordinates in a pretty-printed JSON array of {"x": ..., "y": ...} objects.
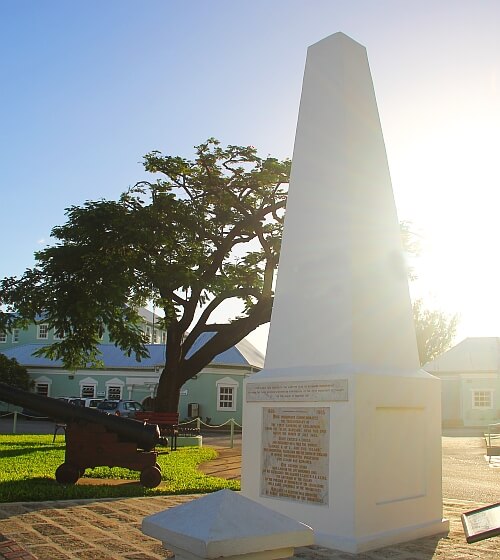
[
  {"x": 199, "y": 421},
  {"x": 35, "y": 417}
]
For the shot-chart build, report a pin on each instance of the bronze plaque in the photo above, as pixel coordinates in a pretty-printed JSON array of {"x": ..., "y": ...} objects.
[{"x": 295, "y": 454}]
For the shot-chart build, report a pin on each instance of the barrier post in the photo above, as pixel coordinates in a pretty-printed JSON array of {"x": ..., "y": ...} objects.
[
  {"x": 14, "y": 423},
  {"x": 198, "y": 423},
  {"x": 231, "y": 422}
]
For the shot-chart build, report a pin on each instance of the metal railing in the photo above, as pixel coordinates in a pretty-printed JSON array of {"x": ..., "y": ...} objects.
[{"x": 493, "y": 435}]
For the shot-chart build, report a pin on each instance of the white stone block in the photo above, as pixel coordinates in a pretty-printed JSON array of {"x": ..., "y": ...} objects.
[{"x": 225, "y": 524}]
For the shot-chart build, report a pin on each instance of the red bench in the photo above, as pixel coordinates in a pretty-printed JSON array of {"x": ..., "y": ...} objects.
[{"x": 168, "y": 422}]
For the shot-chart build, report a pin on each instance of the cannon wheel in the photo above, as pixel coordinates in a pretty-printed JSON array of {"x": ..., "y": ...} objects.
[
  {"x": 67, "y": 473},
  {"x": 151, "y": 477}
]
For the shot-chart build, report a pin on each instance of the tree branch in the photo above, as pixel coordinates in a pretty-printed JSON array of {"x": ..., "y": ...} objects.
[
  {"x": 227, "y": 336},
  {"x": 211, "y": 307}
]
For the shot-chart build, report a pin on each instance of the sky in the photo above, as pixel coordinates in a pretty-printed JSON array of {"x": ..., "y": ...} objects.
[{"x": 88, "y": 87}]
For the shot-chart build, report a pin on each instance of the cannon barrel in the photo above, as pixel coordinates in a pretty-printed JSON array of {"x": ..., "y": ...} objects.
[{"x": 146, "y": 436}]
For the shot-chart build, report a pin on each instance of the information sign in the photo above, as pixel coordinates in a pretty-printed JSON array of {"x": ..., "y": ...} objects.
[{"x": 482, "y": 523}]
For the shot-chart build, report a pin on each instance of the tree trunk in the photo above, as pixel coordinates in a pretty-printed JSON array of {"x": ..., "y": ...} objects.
[
  {"x": 168, "y": 392},
  {"x": 171, "y": 380}
]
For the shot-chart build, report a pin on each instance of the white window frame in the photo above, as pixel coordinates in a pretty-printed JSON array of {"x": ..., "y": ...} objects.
[
  {"x": 3, "y": 337},
  {"x": 57, "y": 337},
  {"x": 114, "y": 388},
  {"x": 485, "y": 392},
  {"x": 115, "y": 383},
  {"x": 85, "y": 391},
  {"x": 43, "y": 380},
  {"x": 38, "y": 392},
  {"x": 88, "y": 382},
  {"x": 45, "y": 327},
  {"x": 222, "y": 385},
  {"x": 15, "y": 335}
]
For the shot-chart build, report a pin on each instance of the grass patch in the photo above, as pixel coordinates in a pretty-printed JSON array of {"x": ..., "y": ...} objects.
[{"x": 28, "y": 464}]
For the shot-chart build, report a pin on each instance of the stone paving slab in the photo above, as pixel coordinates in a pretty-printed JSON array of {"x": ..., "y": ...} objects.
[{"x": 110, "y": 530}]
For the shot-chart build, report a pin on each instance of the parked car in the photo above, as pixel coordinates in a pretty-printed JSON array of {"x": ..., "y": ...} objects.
[
  {"x": 126, "y": 409},
  {"x": 77, "y": 401},
  {"x": 92, "y": 403}
]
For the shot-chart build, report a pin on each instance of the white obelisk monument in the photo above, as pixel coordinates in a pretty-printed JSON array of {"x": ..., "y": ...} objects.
[{"x": 342, "y": 429}]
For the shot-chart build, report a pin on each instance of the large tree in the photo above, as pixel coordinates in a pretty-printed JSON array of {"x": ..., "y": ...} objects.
[
  {"x": 203, "y": 232},
  {"x": 14, "y": 374},
  {"x": 435, "y": 331}
]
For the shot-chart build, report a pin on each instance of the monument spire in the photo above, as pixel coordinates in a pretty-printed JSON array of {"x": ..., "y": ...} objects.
[{"x": 342, "y": 277}]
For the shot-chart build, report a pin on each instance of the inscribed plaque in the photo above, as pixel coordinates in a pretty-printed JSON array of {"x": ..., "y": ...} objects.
[
  {"x": 295, "y": 454},
  {"x": 322, "y": 391}
]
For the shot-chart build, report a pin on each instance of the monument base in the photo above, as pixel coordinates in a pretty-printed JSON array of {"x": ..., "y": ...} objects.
[
  {"x": 353, "y": 453},
  {"x": 372, "y": 542}
]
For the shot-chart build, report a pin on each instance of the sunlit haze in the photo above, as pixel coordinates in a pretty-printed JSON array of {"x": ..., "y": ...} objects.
[{"x": 89, "y": 87}]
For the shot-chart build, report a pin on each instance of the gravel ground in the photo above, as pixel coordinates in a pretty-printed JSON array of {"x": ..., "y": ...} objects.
[{"x": 467, "y": 473}]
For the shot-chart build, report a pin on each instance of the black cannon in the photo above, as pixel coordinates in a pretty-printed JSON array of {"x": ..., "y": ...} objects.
[{"x": 94, "y": 438}]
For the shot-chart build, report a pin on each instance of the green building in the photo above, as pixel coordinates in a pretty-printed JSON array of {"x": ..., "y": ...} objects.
[
  {"x": 216, "y": 393},
  {"x": 470, "y": 382}
]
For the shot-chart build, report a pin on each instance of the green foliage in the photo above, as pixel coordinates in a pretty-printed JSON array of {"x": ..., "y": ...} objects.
[
  {"x": 12, "y": 373},
  {"x": 28, "y": 464},
  {"x": 434, "y": 329},
  {"x": 205, "y": 231}
]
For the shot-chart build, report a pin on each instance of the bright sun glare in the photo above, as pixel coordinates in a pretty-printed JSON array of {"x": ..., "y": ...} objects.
[{"x": 455, "y": 202}]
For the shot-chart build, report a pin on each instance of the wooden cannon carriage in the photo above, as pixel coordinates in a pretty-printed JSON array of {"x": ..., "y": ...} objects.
[{"x": 94, "y": 438}]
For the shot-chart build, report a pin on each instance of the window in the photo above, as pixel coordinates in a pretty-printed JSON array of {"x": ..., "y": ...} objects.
[
  {"x": 15, "y": 335},
  {"x": 114, "y": 393},
  {"x": 226, "y": 398},
  {"x": 59, "y": 335},
  {"x": 482, "y": 399},
  {"x": 226, "y": 394},
  {"x": 42, "y": 389},
  {"x": 3, "y": 337},
  {"x": 88, "y": 391},
  {"x": 43, "y": 331}
]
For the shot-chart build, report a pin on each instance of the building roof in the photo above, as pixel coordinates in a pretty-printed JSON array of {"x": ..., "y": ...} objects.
[
  {"x": 148, "y": 315},
  {"x": 474, "y": 354},
  {"x": 242, "y": 354}
]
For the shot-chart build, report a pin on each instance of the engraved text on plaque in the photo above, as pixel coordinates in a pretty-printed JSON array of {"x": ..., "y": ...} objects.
[
  {"x": 295, "y": 455},
  {"x": 330, "y": 390}
]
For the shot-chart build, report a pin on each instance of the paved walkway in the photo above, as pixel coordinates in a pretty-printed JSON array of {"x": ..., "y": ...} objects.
[{"x": 110, "y": 530}]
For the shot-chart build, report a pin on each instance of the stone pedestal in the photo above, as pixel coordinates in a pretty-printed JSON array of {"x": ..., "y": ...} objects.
[
  {"x": 226, "y": 525},
  {"x": 363, "y": 472},
  {"x": 341, "y": 430}
]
